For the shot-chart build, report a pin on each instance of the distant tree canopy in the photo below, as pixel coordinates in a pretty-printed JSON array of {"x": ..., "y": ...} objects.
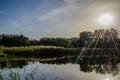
[
  {"x": 112, "y": 34},
  {"x": 34, "y": 42},
  {"x": 55, "y": 42},
  {"x": 21, "y": 40},
  {"x": 13, "y": 40},
  {"x": 84, "y": 37}
]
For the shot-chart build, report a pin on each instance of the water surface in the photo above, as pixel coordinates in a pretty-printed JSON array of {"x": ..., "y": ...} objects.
[{"x": 85, "y": 70}]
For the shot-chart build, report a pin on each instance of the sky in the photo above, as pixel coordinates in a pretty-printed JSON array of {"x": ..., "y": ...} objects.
[{"x": 55, "y": 18}]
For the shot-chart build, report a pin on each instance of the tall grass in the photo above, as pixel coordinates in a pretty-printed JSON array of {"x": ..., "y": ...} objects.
[
  {"x": 39, "y": 51},
  {"x": 52, "y": 52},
  {"x": 1, "y": 52}
]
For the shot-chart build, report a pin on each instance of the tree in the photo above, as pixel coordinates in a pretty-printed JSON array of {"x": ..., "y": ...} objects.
[
  {"x": 84, "y": 38},
  {"x": 55, "y": 42},
  {"x": 34, "y": 42},
  {"x": 14, "y": 40},
  {"x": 114, "y": 33}
]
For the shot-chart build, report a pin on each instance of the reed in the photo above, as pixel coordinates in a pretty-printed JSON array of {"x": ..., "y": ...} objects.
[{"x": 39, "y": 51}]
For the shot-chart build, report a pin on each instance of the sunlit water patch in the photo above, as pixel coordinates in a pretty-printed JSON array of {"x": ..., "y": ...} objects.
[{"x": 40, "y": 71}]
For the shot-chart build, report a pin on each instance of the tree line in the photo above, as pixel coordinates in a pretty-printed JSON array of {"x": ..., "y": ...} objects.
[{"x": 9, "y": 40}]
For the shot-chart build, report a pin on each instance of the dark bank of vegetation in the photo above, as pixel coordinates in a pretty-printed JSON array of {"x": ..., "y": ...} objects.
[
  {"x": 17, "y": 40},
  {"x": 100, "y": 65},
  {"x": 22, "y": 46},
  {"x": 39, "y": 51},
  {"x": 21, "y": 40}
]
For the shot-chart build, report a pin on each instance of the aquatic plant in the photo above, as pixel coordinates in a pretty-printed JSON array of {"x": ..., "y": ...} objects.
[
  {"x": 39, "y": 51},
  {"x": 16, "y": 75}
]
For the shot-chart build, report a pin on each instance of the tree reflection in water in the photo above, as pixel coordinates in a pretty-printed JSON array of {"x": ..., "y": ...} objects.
[
  {"x": 102, "y": 65},
  {"x": 12, "y": 63}
]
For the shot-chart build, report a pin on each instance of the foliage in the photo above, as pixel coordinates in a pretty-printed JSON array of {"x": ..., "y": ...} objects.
[
  {"x": 39, "y": 51},
  {"x": 21, "y": 40},
  {"x": 84, "y": 37},
  {"x": 14, "y": 40},
  {"x": 55, "y": 42}
]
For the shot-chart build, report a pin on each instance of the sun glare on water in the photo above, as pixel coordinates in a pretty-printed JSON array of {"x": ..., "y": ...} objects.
[
  {"x": 106, "y": 20},
  {"x": 108, "y": 79}
]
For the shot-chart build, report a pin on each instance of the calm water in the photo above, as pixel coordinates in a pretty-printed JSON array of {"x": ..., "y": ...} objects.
[{"x": 85, "y": 70}]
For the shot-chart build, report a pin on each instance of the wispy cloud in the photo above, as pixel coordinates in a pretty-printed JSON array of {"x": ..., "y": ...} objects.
[
  {"x": 62, "y": 10},
  {"x": 75, "y": 7},
  {"x": 70, "y": 9},
  {"x": 52, "y": 14}
]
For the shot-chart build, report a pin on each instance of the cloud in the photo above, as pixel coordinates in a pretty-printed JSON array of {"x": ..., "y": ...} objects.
[
  {"x": 62, "y": 10},
  {"x": 82, "y": 14},
  {"x": 70, "y": 8},
  {"x": 52, "y": 14},
  {"x": 75, "y": 7},
  {"x": 74, "y": 16}
]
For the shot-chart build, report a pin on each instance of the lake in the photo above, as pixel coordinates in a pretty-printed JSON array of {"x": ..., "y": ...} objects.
[{"x": 85, "y": 69}]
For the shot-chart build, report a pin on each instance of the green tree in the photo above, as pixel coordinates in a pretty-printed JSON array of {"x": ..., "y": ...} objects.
[
  {"x": 84, "y": 37},
  {"x": 14, "y": 40}
]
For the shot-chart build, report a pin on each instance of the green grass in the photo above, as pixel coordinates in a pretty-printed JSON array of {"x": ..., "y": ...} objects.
[{"x": 2, "y": 53}]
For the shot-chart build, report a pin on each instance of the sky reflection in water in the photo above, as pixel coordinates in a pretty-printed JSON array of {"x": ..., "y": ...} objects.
[{"x": 58, "y": 72}]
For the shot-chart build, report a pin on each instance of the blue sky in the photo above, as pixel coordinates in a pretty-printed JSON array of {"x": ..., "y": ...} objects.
[{"x": 53, "y": 18}]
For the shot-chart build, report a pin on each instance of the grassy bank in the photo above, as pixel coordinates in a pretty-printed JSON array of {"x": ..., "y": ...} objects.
[
  {"x": 2, "y": 53},
  {"x": 52, "y": 52},
  {"x": 39, "y": 51}
]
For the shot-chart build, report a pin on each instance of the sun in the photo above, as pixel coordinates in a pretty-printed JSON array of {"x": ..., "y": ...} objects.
[{"x": 106, "y": 20}]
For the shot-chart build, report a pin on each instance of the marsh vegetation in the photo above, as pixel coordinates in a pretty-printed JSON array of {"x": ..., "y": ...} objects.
[{"x": 18, "y": 55}]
